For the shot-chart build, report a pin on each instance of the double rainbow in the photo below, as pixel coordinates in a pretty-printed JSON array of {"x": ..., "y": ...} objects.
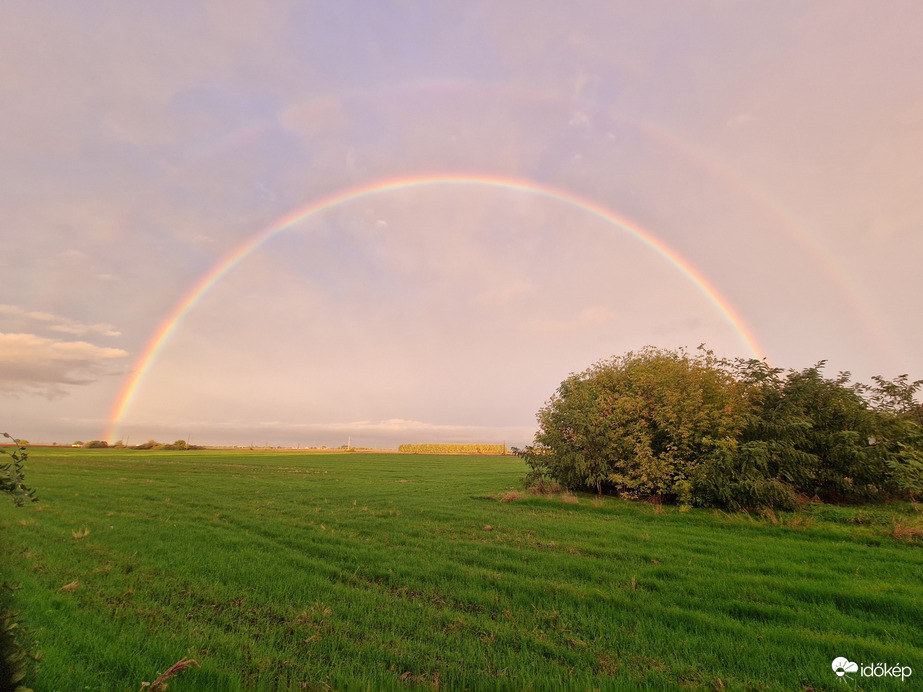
[{"x": 169, "y": 325}]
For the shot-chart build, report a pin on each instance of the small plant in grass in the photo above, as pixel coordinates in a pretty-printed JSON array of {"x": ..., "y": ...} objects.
[
  {"x": 543, "y": 486},
  {"x": 12, "y": 480},
  {"x": 907, "y": 532},
  {"x": 769, "y": 514},
  {"x": 12, "y": 656},
  {"x": 510, "y": 496},
  {"x": 569, "y": 498},
  {"x": 861, "y": 517},
  {"x": 799, "y": 522},
  {"x": 160, "y": 684}
]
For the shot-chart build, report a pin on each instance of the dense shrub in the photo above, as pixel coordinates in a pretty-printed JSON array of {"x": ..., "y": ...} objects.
[
  {"x": 905, "y": 460},
  {"x": 96, "y": 444},
  {"x": 707, "y": 431},
  {"x": 747, "y": 477},
  {"x": 150, "y": 444},
  {"x": 639, "y": 424}
]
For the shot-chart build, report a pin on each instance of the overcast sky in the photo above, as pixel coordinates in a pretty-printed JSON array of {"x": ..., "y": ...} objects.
[{"x": 775, "y": 148}]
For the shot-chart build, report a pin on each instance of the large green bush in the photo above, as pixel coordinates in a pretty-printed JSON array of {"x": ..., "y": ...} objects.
[
  {"x": 639, "y": 424},
  {"x": 701, "y": 430}
]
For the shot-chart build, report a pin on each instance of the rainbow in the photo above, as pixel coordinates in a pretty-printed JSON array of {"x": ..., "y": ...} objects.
[
  {"x": 795, "y": 230},
  {"x": 169, "y": 325}
]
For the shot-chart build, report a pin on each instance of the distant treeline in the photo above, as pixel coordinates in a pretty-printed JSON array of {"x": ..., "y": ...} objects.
[
  {"x": 452, "y": 449},
  {"x": 150, "y": 444}
]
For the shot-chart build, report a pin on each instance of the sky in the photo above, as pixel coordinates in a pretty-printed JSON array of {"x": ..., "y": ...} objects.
[{"x": 326, "y": 223}]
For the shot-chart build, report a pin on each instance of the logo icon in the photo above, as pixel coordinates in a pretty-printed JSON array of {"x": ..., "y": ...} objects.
[{"x": 842, "y": 666}]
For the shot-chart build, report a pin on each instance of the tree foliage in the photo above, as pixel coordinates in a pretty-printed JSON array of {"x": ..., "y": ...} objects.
[
  {"x": 701, "y": 430},
  {"x": 639, "y": 424}
]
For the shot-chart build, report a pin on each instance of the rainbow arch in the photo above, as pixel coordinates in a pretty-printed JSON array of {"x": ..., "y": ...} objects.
[
  {"x": 708, "y": 161},
  {"x": 168, "y": 326}
]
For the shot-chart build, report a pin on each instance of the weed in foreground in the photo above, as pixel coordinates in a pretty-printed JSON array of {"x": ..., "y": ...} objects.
[
  {"x": 160, "y": 684},
  {"x": 770, "y": 515},
  {"x": 545, "y": 487},
  {"x": 907, "y": 532},
  {"x": 799, "y": 522}
]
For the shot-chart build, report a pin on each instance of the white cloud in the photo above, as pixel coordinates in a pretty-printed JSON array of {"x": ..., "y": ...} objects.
[
  {"x": 31, "y": 363},
  {"x": 589, "y": 318},
  {"x": 740, "y": 120},
  {"x": 506, "y": 294},
  {"x": 72, "y": 255},
  {"x": 64, "y": 325},
  {"x": 579, "y": 119},
  {"x": 80, "y": 329}
]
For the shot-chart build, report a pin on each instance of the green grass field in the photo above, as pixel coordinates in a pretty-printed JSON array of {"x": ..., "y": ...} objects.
[{"x": 389, "y": 571}]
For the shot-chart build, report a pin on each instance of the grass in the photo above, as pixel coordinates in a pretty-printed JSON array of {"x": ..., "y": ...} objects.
[{"x": 363, "y": 571}]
